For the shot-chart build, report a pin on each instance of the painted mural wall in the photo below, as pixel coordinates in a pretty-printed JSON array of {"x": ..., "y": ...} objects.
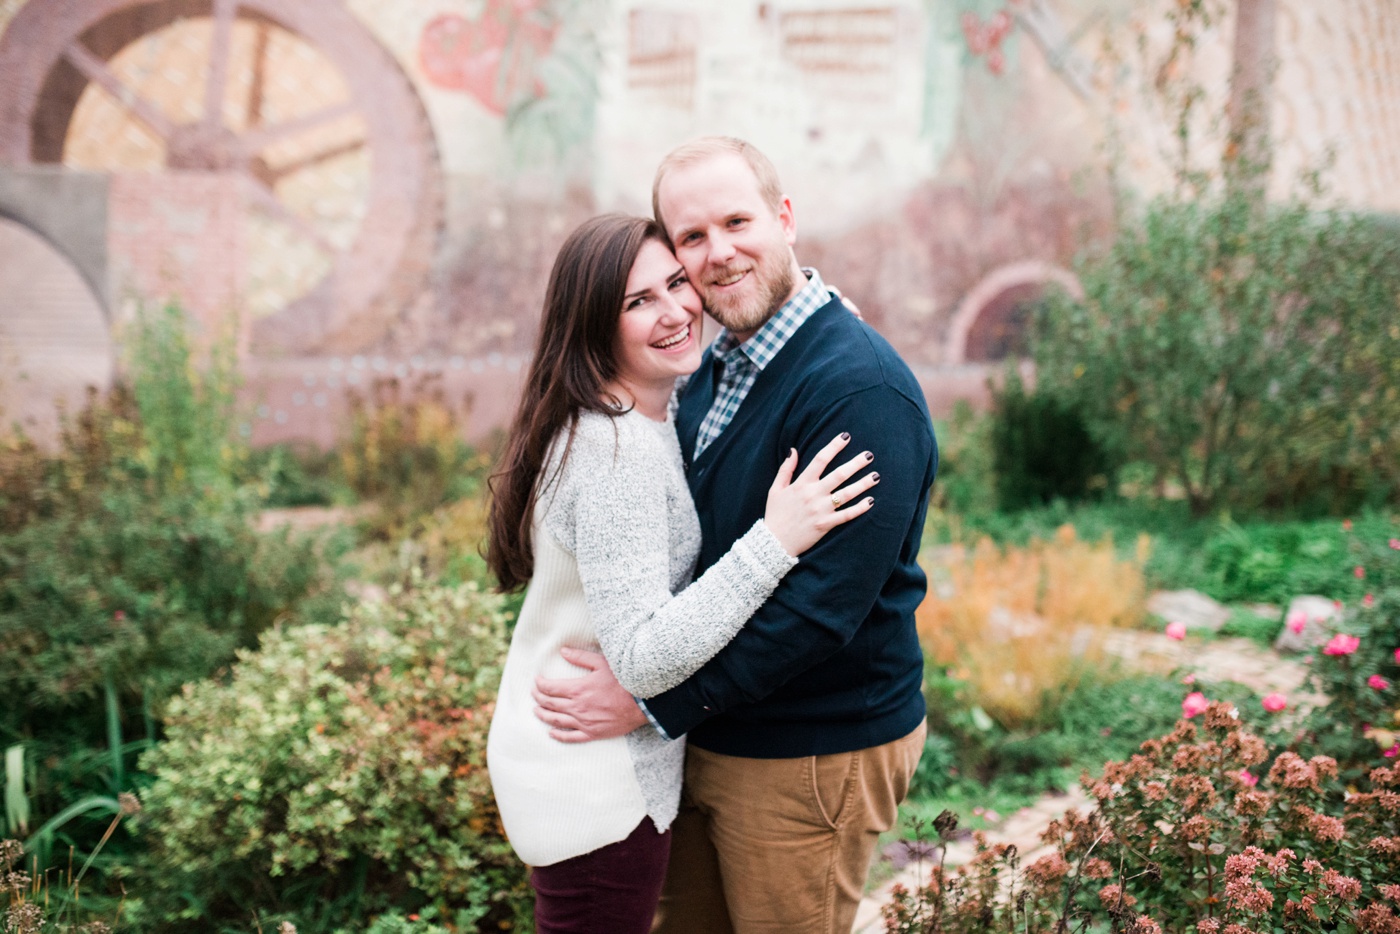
[{"x": 376, "y": 188}]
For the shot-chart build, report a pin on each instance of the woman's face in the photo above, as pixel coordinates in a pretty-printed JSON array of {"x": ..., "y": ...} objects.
[{"x": 658, "y": 332}]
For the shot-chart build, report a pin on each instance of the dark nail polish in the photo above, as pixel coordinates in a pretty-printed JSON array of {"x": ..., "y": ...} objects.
[
  {"x": 874, "y": 478},
  {"x": 845, "y": 436},
  {"x": 869, "y": 455},
  {"x": 870, "y": 501}
]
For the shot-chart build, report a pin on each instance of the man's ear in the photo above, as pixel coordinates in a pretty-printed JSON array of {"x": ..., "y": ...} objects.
[{"x": 789, "y": 222}]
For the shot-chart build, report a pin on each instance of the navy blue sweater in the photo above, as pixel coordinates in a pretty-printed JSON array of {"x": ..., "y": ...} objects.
[{"x": 831, "y": 663}]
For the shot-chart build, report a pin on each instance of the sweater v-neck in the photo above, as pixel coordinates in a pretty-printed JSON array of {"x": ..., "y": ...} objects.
[{"x": 764, "y": 385}]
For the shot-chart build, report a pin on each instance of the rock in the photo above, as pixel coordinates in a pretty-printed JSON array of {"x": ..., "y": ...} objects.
[
  {"x": 1317, "y": 616},
  {"x": 1191, "y": 607}
]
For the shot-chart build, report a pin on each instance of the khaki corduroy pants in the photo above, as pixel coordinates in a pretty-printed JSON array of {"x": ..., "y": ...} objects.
[{"x": 780, "y": 846}]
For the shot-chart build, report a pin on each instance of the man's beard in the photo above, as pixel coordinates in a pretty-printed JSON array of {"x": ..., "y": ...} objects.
[{"x": 742, "y": 313}]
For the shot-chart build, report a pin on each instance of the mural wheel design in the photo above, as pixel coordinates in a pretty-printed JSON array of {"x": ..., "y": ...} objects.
[{"x": 370, "y": 251}]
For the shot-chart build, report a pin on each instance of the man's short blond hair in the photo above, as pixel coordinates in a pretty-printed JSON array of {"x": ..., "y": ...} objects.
[{"x": 707, "y": 147}]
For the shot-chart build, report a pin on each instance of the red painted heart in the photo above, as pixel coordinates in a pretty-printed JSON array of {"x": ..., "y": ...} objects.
[{"x": 492, "y": 57}]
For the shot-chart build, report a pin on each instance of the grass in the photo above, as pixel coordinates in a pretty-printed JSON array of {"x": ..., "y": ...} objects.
[{"x": 1245, "y": 623}]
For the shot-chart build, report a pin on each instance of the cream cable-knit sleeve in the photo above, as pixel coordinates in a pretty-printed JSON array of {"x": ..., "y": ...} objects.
[{"x": 622, "y": 543}]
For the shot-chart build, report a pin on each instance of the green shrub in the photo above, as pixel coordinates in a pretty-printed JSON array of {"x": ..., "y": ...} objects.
[
  {"x": 1042, "y": 450},
  {"x": 966, "y": 478},
  {"x": 1247, "y": 351},
  {"x": 1359, "y": 669},
  {"x": 937, "y": 769},
  {"x": 338, "y": 772},
  {"x": 405, "y": 453},
  {"x": 1274, "y": 562},
  {"x": 129, "y": 565},
  {"x": 186, "y": 404},
  {"x": 149, "y": 592},
  {"x": 293, "y": 475}
]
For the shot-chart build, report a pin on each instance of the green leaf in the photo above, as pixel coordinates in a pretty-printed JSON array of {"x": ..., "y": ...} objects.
[{"x": 16, "y": 800}]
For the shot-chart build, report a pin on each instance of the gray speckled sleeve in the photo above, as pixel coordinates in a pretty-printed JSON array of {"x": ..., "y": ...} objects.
[{"x": 654, "y": 640}]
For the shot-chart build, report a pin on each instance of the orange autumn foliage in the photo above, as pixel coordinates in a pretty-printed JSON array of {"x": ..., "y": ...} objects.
[{"x": 1019, "y": 623}]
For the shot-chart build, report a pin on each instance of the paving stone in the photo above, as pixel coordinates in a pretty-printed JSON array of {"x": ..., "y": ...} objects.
[
  {"x": 1191, "y": 607},
  {"x": 1238, "y": 660}
]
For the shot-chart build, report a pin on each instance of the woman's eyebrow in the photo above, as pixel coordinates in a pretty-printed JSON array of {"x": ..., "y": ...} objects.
[{"x": 680, "y": 271}]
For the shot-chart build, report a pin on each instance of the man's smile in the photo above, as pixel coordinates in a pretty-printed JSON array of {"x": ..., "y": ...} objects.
[{"x": 726, "y": 279}]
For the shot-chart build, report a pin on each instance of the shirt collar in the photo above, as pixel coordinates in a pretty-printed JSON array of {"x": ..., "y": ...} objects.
[{"x": 775, "y": 332}]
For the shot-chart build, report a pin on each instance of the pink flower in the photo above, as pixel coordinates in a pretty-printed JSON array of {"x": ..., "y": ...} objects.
[
  {"x": 1341, "y": 644},
  {"x": 1377, "y": 682},
  {"x": 1191, "y": 679},
  {"x": 1368, "y": 601},
  {"x": 1338, "y": 604},
  {"x": 1397, "y": 656},
  {"x": 1297, "y": 622},
  {"x": 1395, "y": 543},
  {"x": 1194, "y": 703},
  {"x": 1392, "y": 752},
  {"x": 1346, "y": 525},
  {"x": 1176, "y": 631},
  {"x": 1274, "y": 702},
  {"x": 1359, "y": 571},
  {"x": 119, "y": 615},
  {"x": 1247, "y": 778}
]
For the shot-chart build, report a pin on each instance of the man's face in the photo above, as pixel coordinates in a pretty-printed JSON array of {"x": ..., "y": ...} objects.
[{"x": 736, "y": 250}]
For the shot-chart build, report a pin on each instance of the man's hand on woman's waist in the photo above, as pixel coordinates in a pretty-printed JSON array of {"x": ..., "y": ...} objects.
[{"x": 594, "y": 706}]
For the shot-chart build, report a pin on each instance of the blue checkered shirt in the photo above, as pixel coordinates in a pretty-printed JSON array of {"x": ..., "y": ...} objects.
[{"x": 743, "y": 362}]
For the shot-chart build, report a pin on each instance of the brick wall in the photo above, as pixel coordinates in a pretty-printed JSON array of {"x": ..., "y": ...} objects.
[{"x": 180, "y": 236}]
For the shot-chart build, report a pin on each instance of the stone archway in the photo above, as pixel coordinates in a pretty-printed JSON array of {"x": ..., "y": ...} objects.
[
  {"x": 54, "y": 336},
  {"x": 991, "y": 318}
]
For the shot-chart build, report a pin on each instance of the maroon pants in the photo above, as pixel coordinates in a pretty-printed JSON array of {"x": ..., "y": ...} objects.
[{"x": 612, "y": 890}]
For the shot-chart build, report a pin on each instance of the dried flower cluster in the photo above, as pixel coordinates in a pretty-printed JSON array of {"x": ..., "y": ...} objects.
[{"x": 1180, "y": 840}]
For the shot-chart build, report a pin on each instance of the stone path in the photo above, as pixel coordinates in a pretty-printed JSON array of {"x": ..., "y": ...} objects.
[
  {"x": 306, "y": 518},
  {"x": 1240, "y": 660}
]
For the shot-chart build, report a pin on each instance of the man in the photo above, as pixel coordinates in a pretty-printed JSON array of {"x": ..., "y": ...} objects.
[{"x": 805, "y": 730}]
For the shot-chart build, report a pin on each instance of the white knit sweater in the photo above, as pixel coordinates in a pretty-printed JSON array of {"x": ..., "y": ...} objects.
[{"x": 615, "y": 537}]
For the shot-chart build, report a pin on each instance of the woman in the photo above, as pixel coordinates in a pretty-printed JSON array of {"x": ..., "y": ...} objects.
[{"x": 591, "y": 508}]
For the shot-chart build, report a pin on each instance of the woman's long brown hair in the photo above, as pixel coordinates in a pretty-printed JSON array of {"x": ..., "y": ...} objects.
[{"x": 573, "y": 363}]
